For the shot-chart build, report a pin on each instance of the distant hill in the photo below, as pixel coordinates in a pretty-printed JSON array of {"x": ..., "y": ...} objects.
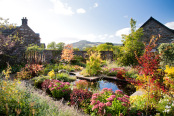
[{"x": 84, "y": 43}]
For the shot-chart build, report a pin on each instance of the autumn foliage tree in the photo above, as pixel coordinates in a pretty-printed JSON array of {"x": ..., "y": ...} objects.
[
  {"x": 150, "y": 77},
  {"x": 67, "y": 53}
]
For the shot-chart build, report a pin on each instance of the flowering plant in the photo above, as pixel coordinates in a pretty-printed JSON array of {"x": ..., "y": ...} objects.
[
  {"x": 109, "y": 103},
  {"x": 51, "y": 74},
  {"x": 169, "y": 71},
  {"x": 81, "y": 84},
  {"x": 81, "y": 98},
  {"x": 45, "y": 85},
  {"x": 169, "y": 79},
  {"x": 59, "y": 89}
]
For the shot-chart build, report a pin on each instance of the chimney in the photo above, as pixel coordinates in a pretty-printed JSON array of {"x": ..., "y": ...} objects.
[{"x": 24, "y": 21}]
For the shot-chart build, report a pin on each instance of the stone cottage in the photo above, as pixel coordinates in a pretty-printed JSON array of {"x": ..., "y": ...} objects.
[
  {"x": 154, "y": 27},
  {"x": 24, "y": 31},
  {"x": 16, "y": 53}
]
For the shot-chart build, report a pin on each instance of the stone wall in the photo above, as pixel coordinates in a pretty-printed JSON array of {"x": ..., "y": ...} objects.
[{"x": 55, "y": 54}]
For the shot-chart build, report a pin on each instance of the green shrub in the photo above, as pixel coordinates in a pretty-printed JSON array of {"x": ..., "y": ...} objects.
[
  {"x": 93, "y": 66},
  {"x": 81, "y": 84},
  {"x": 78, "y": 60},
  {"x": 50, "y": 67},
  {"x": 39, "y": 80},
  {"x": 167, "y": 52},
  {"x": 64, "y": 77},
  {"x": 60, "y": 89},
  {"x": 106, "y": 102}
]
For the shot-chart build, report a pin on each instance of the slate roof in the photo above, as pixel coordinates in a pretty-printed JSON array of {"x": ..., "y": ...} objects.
[{"x": 151, "y": 18}]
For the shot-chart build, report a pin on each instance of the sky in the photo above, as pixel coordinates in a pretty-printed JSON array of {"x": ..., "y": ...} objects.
[{"x": 93, "y": 20}]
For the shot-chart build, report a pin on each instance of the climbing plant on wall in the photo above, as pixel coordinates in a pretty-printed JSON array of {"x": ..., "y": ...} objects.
[{"x": 34, "y": 54}]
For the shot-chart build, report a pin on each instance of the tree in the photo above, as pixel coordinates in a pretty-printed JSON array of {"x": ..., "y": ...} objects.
[
  {"x": 10, "y": 46},
  {"x": 60, "y": 46},
  {"x": 131, "y": 44},
  {"x": 52, "y": 45},
  {"x": 67, "y": 53},
  {"x": 105, "y": 47},
  {"x": 108, "y": 43}
]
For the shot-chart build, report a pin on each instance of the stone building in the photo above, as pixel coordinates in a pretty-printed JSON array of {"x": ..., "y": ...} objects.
[
  {"x": 16, "y": 52},
  {"x": 154, "y": 27},
  {"x": 24, "y": 31}
]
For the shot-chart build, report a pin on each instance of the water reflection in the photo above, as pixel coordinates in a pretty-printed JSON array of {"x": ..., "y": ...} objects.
[{"x": 126, "y": 87}]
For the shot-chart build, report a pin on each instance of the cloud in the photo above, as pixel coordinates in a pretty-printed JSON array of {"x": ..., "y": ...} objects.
[
  {"x": 95, "y": 5},
  {"x": 126, "y": 16},
  {"x": 61, "y": 8},
  {"x": 170, "y": 25},
  {"x": 123, "y": 31},
  {"x": 81, "y": 11}
]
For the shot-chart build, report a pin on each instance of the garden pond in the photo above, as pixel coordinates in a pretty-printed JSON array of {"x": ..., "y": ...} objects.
[{"x": 124, "y": 86}]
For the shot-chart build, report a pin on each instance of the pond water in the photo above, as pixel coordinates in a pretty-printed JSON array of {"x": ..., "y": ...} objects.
[{"x": 126, "y": 87}]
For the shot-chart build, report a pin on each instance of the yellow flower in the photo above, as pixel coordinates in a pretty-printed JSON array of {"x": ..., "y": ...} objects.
[
  {"x": 169, "y": 71},
  {"x": 159, "y": 70},
  {"x": 51, "y": 73}
]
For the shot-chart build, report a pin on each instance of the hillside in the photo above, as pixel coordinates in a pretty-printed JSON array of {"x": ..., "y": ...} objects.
[{"x": 84, "y": 43}]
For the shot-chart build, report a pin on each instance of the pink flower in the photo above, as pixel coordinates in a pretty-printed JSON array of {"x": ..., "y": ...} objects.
[
  {"x": 52, "y": 89},
  {"x": 121, "y": 114},
  {"x": 109, "y": 114},
  {"x": 109, "y": 99},
  {"x": 58, "y": 87},
  {"x": 94, "y": 97},
  {"x": 126, "y": 96},
  {"x": 102, "y": 92},
  {"x": 118, "y": 92},
  {"x": 123, "y": 104},
  {"x": 119, "y": 98},
  {"x": 92, "y": 102},
  {"x": 95, "y": 107},
  {"x": 109, "y": 89},
  {"x": 95, "y": 94},
  {"x": 61, "y": 85},
  {"x": 104, "y": 89},
  {"x": 98, "y": 101},
  {"x": 113, "y": 96},
  {"x": 49, "y": 86},
  {"x": 63, "y": 90},
  {"x": 108, "y": 103},
  {"x": 55, "y": 85},
  {"x": 101, "y": 104}
]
